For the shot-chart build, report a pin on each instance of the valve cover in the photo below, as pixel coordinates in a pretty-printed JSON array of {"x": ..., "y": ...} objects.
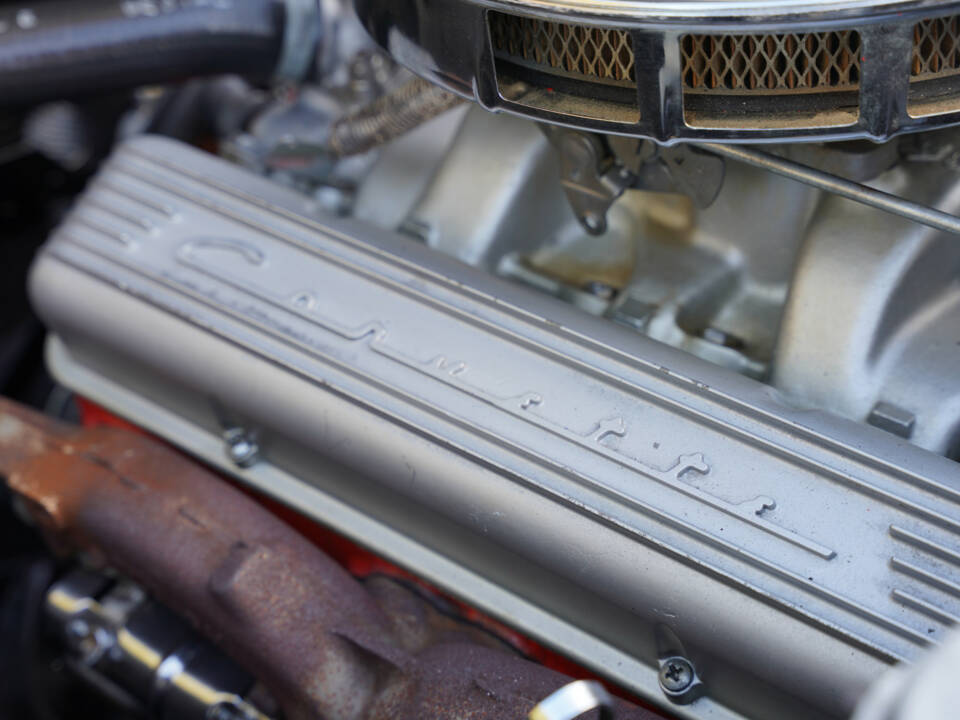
[{"x": 611, "y": 496}]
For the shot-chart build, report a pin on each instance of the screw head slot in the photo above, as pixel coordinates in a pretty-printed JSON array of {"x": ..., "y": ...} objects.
[{"x": 679, "y": 681}]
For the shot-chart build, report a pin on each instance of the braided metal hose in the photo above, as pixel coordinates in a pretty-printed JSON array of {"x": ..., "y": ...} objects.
[{"x": 390, "y": 117}]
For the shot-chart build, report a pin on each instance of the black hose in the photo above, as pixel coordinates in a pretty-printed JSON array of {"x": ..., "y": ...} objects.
[{"x": 60, "y": 49}]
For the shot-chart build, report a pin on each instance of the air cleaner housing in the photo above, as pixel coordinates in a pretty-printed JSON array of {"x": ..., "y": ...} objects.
[{"x": 711, "y": 70}]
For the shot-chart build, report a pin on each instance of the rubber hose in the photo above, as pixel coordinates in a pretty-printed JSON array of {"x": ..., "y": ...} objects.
[{"x": 61, "y": 49}]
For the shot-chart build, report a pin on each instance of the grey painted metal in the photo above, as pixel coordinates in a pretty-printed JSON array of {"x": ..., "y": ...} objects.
[
  {"x": 872, "y": 321},
  {"x": 627, "y": 488},
  {"x": 838, "y": 186}
]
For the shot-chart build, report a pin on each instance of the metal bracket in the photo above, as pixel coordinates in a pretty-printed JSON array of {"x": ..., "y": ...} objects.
[
  {"x": 596, "y": 170},
  {"x": 680, "y": 168},
  {"x": 591, "y": 178}
]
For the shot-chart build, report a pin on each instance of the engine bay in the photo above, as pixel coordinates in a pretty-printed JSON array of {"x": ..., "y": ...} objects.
[{"x": 605, "y": 354}]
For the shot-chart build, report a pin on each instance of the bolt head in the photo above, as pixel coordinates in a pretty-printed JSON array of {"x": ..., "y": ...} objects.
[
  {"x": 676, "y": 675},
  {"x": 241, "y": 448},
  {"x": 242, "y": 452}
]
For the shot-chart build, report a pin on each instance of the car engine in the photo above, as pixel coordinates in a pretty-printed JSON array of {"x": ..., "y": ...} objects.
[{"x": 500, "y": 359}]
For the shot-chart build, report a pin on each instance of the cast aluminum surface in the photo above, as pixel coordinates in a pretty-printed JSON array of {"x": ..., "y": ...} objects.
[
  {"x": 772, "y": 296},
  {"x": 926, "y": 691},
  {"x": 876, "y": 318},
  {"x": 648, "y": 498}
]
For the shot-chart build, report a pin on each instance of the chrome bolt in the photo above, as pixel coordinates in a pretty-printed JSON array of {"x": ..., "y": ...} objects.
[{"x": 242, "y": 449}]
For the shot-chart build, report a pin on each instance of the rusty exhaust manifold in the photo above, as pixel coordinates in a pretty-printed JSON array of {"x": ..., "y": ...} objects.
[{"x": 325, "y": 645}]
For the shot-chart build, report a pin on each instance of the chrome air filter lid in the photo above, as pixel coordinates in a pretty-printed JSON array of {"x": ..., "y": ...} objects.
[{"x": 711, "y": 70}]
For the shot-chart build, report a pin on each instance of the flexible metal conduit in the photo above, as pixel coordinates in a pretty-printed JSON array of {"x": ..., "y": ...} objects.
[{"x": 390, "y": 116}]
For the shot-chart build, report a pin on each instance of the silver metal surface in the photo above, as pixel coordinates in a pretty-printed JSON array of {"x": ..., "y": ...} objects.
[
  {"x": 927, "y": 691},
  {"x": 300, "y": 34},
  {"x": 633, "y": 487},
  {"x": 242, "y": 447},
  {"x": 573, "y": 700},
  {"x": 838, "y": 186},
  {"x": 679, "y": 680},
  {"x": 712, "y": 281},
  {"x": 591, "y": 180},
  {"x": 142, "y": 655},
  {"x": 715, "y": 281},
  {"x": 405, "y": 168},
  {"x": 676, "y": 675},
  {"x": 496, "y": 191},
  {"x": 872, "y": 324}
]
